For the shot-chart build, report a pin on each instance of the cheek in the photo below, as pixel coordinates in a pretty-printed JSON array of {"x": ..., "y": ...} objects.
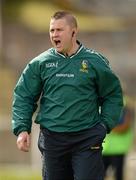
[
  {"x": 51, "y": 35},
  {"x": 51, "y": 39},
  {"x": 67, "y": 38}
]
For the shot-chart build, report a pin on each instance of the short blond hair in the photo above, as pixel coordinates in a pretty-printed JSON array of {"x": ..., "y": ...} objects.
[{"x": 70, "y": 18}]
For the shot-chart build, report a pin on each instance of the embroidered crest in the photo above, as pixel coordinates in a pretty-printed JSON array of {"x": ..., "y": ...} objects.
[{"x": 84, "y": 66}]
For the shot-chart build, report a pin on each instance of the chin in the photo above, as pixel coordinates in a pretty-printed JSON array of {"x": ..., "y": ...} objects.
[{"x": 59, "y": 50}]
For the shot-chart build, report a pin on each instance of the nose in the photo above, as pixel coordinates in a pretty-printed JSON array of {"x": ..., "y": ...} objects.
[{"x": 55, "y": 33}]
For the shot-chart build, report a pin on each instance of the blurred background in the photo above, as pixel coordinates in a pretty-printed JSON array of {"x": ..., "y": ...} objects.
[{"x": 106, "y": 26}]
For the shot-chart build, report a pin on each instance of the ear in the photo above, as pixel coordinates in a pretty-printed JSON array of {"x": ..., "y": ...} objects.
[{"x": 73, "y": 33}]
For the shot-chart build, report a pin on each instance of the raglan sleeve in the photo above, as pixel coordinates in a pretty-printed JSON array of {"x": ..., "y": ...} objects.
[
  {"x": 109, "y": 93},
  {"x": 26, "y": 94}
]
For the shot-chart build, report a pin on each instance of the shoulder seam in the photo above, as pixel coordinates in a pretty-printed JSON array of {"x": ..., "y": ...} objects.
[{"x": 105, "y": 60}]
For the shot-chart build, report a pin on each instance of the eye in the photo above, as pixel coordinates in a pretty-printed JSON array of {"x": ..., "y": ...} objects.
[
  {"x": 59, "y": 29},
  {"x": 51, "y": 30}
]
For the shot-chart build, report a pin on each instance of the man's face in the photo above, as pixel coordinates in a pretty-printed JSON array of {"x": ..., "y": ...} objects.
[{"x": 61, "y": 35}]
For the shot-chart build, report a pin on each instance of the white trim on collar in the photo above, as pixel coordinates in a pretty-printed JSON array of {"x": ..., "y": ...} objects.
[{"x": 80, "y": 48}]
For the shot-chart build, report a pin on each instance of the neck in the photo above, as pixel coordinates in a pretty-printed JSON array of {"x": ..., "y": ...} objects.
[{"x": 73, "y": 49}]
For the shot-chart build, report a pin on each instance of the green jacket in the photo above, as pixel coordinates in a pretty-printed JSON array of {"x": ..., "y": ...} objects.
[{"x": 70, "y": 89}]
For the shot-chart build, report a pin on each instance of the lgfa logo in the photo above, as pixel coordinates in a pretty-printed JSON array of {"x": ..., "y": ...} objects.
[
  {"x": 84, "y": 66},
  {"x": 52, "y": 64}
]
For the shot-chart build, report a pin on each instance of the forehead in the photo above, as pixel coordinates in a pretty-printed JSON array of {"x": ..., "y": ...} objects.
[{"x": 58, "y": 23}]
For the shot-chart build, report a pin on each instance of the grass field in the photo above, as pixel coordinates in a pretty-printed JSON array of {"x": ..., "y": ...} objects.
[{"x": 19, "y": 174}]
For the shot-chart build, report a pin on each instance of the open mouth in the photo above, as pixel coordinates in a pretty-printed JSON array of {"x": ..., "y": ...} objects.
[{"x": 57, "y": 42}]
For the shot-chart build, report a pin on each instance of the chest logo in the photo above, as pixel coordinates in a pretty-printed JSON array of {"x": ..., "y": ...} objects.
[
  {"x": 52, "y": 64},
  {"x": 84, "y": 66}
]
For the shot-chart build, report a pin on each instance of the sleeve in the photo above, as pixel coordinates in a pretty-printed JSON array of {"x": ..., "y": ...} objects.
[
  {"x": 109, "y": 94},
  {"x": 26, "y": 95}
]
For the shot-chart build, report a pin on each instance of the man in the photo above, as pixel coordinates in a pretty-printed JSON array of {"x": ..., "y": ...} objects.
[{"x": 72, "y": 83}]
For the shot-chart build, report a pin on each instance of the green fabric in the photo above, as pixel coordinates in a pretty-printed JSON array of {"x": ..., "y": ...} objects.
[
  {"x": 117, "y": 143},
  {"x": 71, "y": 89}
]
